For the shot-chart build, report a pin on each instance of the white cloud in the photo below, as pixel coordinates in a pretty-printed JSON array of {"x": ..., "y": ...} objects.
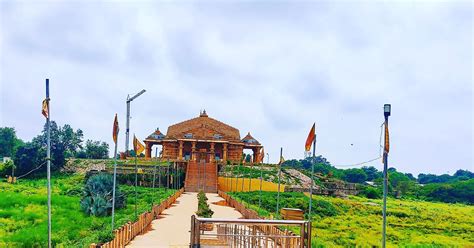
[{"x": 269, "y": 68}]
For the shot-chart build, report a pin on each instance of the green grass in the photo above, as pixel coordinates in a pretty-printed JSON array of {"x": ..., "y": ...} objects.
[
  {"x": 23, "y": 212},
  {"x": 357, "y": 221}
]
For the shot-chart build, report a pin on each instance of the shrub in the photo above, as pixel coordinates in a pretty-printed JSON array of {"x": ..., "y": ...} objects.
[
  {"x": 371, "y": 192},
  {"x": 203, "y": 207},
  {"x": 97, "y": 195}
]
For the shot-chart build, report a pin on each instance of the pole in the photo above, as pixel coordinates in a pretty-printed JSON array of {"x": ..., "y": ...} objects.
[
  {"x": 279, "y": 178},
  {"x": 154, "y": 176},
  {"x": 385, "y": 188},
  {"x": 114, "y": 185},
  {"x": 168, "y": 175},
  {"x": 127, "y": 128},
  {"x": 48, "y": 159},
  {"x": 136, "y": 179},
  {"x": 312, "y": 178}
]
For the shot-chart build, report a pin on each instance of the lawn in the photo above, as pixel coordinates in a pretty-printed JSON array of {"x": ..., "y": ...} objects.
[
  {"x": 357, "y": 221},
  {"x": 23, "y": 212}
]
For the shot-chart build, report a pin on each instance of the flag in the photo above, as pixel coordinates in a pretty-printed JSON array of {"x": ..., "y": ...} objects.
[
  {"x": 311, "y": 137},
  {"x": 282, "y": 160},
  {"x": 387, "y": 142},
  {"x": 115, "y": 129},
  {"x": 137, "y": 146},
  {"x": 45, "y": 108}
]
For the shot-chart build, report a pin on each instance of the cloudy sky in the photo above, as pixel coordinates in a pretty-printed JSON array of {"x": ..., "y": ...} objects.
[{"x": 271, "y": 68}]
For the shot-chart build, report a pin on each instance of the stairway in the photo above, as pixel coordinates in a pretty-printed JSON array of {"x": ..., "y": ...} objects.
[{"x": 201, "y": 176}]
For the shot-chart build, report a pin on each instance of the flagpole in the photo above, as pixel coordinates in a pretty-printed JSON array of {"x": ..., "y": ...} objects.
[
  {"x": 154, "y": 176},
  {"x": 114, "y": 184},
  {"x": 261, "y": 181},
  {"x": 136, "y": 179},
  {"x": 387, "y": 110},
  {"x": 279, "y": 178},
  {"x": 48, "y": 159},
  {"x": 312, "y": 178}
]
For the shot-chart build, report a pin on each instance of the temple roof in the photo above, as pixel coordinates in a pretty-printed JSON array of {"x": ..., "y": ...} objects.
[
  {"x": 203, "y": 127},
  {"x": 156, "y": 135},
  {"x": 248, "y": 139}
]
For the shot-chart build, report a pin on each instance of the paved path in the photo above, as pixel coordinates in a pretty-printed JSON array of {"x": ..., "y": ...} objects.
[{"x": 171, "y": 229}]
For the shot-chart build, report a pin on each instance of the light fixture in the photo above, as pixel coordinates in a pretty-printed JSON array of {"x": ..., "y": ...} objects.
[{"x": 387, "y": 109}]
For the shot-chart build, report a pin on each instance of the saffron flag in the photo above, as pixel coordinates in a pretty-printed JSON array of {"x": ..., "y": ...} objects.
[
  {"x": 311, "y": 137},
  {"x": 137, "y": 146},
  {"x": 115, "y": 129},
  {"x": 282, "y": 160},
  {"x": 45, "y": 108},
  {"x": 387, "y": 141}
]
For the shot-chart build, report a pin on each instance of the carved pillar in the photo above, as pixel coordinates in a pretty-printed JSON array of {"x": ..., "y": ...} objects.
[
  {"x": 213, "y": 153},
  {"x": 148, "y": 149},
  {"x": 180, "y": 151},
  {"x": 224, "y": 153},
  {"x": 193, "y": 151},
  {"x": 256, "y": 152}
]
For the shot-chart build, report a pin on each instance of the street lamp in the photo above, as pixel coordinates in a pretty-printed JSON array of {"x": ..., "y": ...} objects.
[
  {"x": 386, "y": 113},
  {"x": 127, "y": 131},
  {"x": 386, "y": 110}
]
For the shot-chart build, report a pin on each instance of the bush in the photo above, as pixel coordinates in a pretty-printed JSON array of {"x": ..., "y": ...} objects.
[
  {"x": 371, "y": 192},
  {"x": 97, "y": 196},
  {"x": 203, "y": 207}
]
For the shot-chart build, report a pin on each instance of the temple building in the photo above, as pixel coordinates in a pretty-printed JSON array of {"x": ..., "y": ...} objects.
[{"x": 202, "y": 139}]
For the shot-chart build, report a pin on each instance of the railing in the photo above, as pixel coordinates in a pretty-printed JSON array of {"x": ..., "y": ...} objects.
[
  {"x": 127, "y": 232},
  {"x": 249, "y": 233}
]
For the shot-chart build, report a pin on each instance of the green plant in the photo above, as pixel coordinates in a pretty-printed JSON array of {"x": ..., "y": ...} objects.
[
  {"x": 97, "y": 195},
  {"x": 203, "y": 207}
]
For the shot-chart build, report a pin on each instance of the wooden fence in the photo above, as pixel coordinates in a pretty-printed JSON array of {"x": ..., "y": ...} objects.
[
  {"x": 252, "y": 214},
  {"x": 127, "y": 232}
]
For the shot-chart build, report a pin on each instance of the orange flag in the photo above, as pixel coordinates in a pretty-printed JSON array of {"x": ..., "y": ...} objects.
[
  {"x": 137, "y": 146},
  {"x": 310, "y": 139},
  {"x": 115, "y": 129},
  {"x": 387, "y": 142},
  {"x": 45, "y": 108}
]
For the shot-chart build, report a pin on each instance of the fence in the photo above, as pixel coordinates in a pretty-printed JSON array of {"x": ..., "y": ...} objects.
[
  {"x": 243, "y": 233},
  {"x": 273, "y": 232},
  {"x": 232, "y": 184},
  {"x": 127, "y": 232}
]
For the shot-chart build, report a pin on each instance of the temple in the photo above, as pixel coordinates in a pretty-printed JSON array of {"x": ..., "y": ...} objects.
[{"x": 202, "y": 139}]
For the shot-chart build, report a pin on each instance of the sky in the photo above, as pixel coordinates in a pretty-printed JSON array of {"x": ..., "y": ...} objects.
[{"x": 268, "y": 67}]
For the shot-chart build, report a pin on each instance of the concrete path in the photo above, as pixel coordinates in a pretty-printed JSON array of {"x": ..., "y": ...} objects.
[{"x": 172, "y": 227}]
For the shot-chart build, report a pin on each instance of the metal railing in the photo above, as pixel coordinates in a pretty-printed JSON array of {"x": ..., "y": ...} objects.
[{"x": 208, "y": 232}]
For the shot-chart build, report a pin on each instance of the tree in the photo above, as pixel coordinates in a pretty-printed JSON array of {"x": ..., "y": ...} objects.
[
  {"x": 355, "y": 175},
  {"x": 96, "y": 150},
  {"x": 29, "y": 156},
  {"x": 9, "y": 143},
  {"x": 372, "y": 173}
]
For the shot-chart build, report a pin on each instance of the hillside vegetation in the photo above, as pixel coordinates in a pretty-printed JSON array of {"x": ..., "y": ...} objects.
[
  {"x": 23, "y": 212},
  {"x": 358, "y": 221}
]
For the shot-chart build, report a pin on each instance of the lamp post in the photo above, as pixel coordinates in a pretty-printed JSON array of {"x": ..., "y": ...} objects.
[
  {"x": 127, "y": 130},
  {"x": 386, "y": 112}
]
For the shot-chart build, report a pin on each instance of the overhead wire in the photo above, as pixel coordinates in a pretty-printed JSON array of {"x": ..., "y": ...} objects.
[
  {"x": 26, "y": 174},
  {"x": 370, "y": 160}
]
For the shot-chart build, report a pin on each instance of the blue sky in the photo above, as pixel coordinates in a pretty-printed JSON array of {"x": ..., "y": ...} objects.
[{"x": 271, "y": 68}]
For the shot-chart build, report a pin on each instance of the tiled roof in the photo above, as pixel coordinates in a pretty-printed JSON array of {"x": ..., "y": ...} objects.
[
  {"x": 156, "y": 135},
  {"x": 203, "y": 127},
  {"x": 250, "y": 140}
]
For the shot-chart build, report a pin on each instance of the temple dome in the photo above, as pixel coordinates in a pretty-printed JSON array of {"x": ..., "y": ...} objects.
[{"x": 203, "y": 127}]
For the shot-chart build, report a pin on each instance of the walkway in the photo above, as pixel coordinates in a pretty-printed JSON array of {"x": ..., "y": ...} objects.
[{"x": 171, "y": 229}]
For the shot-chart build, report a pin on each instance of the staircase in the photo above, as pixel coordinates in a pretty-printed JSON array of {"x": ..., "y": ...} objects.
[{"x": 201, "y": 176}]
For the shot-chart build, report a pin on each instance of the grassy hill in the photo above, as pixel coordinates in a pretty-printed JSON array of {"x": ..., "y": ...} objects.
[
  {"x": 23, "y": 212},
  {"x": 358, "y": 221}
]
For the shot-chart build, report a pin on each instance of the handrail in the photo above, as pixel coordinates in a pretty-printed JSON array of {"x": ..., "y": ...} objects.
[{"x": 253, "y": 221}]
